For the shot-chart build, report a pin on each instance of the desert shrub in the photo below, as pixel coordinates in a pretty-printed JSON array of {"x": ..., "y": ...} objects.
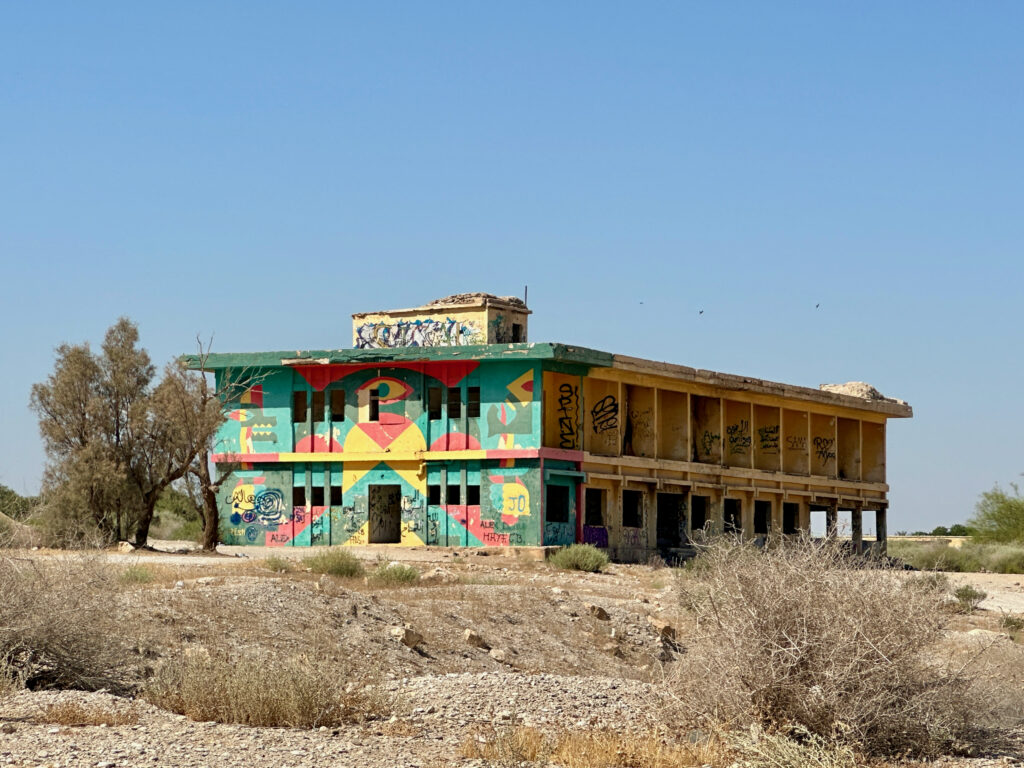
[
  {"x": 394, "y": 574},
  {"x": 589, "y": 749},
  {"x": 137, "y": 574},
  {"x": 1012, "y": 623},
  {"x": 803, "y": 636},
  {"x": 79, "y": 713},
  {"x": 792, "y": 750},
  {"x": 933, "y": 581},
  {"x": 57, "y": 629},
  {"x": 968, "y": 597},
  {"x": 579, "y": 557},
  {"x": 334, "y": 562},
  {"x": 258, "y": 689},
  {"x": 278, "y": 564},
  {"x": 972, "y": 557}
]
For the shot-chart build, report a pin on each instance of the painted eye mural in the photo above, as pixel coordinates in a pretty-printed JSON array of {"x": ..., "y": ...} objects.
[{"x": 389, "y": 390}]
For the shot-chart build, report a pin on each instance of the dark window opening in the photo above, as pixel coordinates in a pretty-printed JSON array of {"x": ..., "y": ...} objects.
[
  {"x": 454, "y": 402},
  {"x": 434, "y": 403},
  {"x": 337, "y": 405},
  {"x": 790, "y": 518},
  {"x": 374, "y": 405},
  {"x": 557, "y": 510},
  {"x": 299, "y": 407},
  {"x": 454, "y": 495},
  {"x": 593, "y": 501},
  {"x": 318, "y": 406},
  {"x": 733, "y": 510},
  {"x": 473, "y": 495},
  {"x": 473, "y": 402},
  {"x": 299, "y": 496},
  {"x": 699, "y": 512},
  {"x": 762, "y": 517},
  {"x": 517, "y": 333},
  {"x": 335, "y": 495},
  {"x": 671, "y": 514},
  {"x": 434, "y": 494},
  {"x": 318, "y": 496},
  {"x": 632, "y": 509}
]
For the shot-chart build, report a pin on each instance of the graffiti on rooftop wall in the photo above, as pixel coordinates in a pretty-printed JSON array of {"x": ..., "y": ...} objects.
[{"x": 418, "y": 333}]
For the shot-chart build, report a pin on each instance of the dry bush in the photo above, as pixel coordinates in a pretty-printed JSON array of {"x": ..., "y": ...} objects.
[
  {"x": 591, "y": 749},
  {"x": 57, "y": 629},
  {"x": 802, "y": 636},
  {"x": 392, "y": 574},
  {"x": 78, "y": 714},
  {"x": 334, "y": 562},
  {"x": 792, "y": 750},
  {"x": 968, "y": 598},
  {"x": 258, "y": 689},
  {"x": 579, "y": 557},
  {"x": 278, "y": 564}
]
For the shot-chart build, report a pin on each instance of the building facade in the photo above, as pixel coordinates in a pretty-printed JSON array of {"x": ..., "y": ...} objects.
[{"x": 439, "y": 429}]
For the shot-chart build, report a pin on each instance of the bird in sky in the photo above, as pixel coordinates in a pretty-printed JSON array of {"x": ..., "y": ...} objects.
[{"x": 701, "y": 312}]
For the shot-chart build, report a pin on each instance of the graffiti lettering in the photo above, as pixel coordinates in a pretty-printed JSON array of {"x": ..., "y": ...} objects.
[
  {"x": 568, "y": 407},
  {"x": 596, "y": 535},
  {"x": 558, "y": 534},
  {"x": 738, "y": 436},
  {"x": 418, "y": 333},
  {"x": 634, "y": 537},
  {"x": 796, "y": 443},
  {"x": 824, "y": 448},
  {"x": 769, "y": 438},
  {"x": 605, "y": 414},
  {"x": 252, "y": 533},
  {"x": 708, "y": 442}
]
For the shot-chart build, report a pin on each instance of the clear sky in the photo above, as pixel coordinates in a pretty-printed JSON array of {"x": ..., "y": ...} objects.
[{"x": 261, "y": 171}]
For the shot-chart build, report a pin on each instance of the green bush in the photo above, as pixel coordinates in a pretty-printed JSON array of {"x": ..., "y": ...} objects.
[
  {"x": 393, "y": 574},
  {"x": 972, "y": 557},
  {"x": 335, "y": 562},
  {"x": 279, "y": 564},
  {"x": 137, "y": 574},
  {"x": 968, "y": 597},
  {"x": 580, "y": 557},
  {"x": 1011, "y": 622},
  {"x": 999, "y": 516}
]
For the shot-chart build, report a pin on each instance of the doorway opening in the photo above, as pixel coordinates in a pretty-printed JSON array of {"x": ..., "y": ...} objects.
[{"x": 385, "y": 514}]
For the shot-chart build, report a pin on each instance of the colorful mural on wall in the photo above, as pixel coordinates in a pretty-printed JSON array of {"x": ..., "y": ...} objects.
[{"x": 367, "y": 469}]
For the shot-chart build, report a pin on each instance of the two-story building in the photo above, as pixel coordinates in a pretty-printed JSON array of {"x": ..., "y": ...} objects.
[{"x": 445, "y": 426}]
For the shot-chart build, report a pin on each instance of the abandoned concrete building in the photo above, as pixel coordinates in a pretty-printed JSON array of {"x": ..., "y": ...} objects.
[{"x": 445, "y": 425}]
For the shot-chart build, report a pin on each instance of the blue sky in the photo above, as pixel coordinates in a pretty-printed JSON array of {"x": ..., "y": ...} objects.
[{"x": 261, "y": 171}]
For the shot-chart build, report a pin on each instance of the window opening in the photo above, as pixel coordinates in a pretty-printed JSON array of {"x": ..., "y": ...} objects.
[
  {"x": 299, "y": 496},
  {"x": 517, "y": 333},
  {"x": 699, "y": 512},
  {"x": 454, "y": 402},
  {"x": 732, "y": 511},
  {"x": 557, "y": 510},
  {"x": 473, "y": 402},
  {"x": 454, "y": 495},
  {"x": 318, "y": 406},
  {"x": 299, "y": 407},
  {"x": 434, "y": 494},
  {"x": 632, "y": 509},
  {"x": 318, "y": 496},
  {"x": 473, "y": 495},
  {"x": 335, "y": 495},
  {"x": 374, "y": 404},
  {"x": 337, "y": 405},
  {"x": 434, "y": 403}
]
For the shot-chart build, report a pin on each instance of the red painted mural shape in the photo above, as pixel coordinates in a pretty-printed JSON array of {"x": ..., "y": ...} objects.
[
  {"x": 455, "y": 441},
  {"x": 317, "y": 444},
  {"x": 448, "y": 373},
  {"x": 469, "y": 518},
  {"x": 292, "y": 530}
]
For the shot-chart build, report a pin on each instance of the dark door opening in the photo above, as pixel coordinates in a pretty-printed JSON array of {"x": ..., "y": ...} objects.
[
  {"x": 699, "y": 512},
  {"x": 385, "y": 514},
  {"x": 733, "y": 509},
  {"x": 762, "y": 517},
  {"x": 671, "y": 514},
  {"x": 790, "y": 518}
]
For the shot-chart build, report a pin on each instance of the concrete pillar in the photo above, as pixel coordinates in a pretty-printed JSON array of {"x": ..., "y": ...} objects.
[
  {"x": 856, "y": 523},
  {"x": 717, "y": 513},
  {"x": 831, "y": 520},
  {"x": 881, "y": 534}
]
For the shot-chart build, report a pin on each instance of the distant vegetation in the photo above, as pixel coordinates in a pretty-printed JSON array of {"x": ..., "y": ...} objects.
[{"x": 971, "y": 557}]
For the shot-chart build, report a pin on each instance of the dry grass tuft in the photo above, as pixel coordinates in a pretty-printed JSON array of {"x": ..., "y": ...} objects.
[
  {"x": 57, "y": 629},
  {"x": 278, "y": 564},
  {"x": 802, "y": 636},
  {"x": 258, "y": 689},
  {"x": 392, "y": 574},
  {"x": 335, "y": 562},
  {"x": 591, "y": 749},
  {"x": 579, "y": 557},
  {"x": 75, "y": 713}
]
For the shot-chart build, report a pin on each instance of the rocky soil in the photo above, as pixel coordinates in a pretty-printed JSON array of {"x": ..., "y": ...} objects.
[{"x": 479, "y": 642}]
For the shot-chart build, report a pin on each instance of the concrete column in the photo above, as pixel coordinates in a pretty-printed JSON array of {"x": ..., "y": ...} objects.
[
  {"x": 717, "y": 513},
  {"x": 856, "y": 523},
  {"x": 831, "y": 520},
  {"x": 881, "y": 534}
]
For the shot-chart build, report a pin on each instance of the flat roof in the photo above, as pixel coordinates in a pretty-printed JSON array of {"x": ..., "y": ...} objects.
[{"x": 560, "y": 353}]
